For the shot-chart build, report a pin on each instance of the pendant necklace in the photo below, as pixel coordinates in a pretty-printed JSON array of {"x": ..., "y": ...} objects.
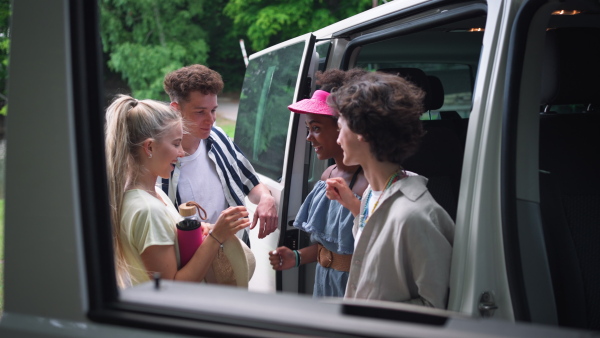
[{"x": 396, "y": 176}]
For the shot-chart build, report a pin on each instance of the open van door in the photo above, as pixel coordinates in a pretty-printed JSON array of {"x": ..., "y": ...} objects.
[
  {"x": 550, "y": 164},
  {"x": 266, "y": 134}
]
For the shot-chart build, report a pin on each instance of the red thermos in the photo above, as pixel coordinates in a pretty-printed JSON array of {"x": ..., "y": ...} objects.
[{"x": 189, "y": 231}]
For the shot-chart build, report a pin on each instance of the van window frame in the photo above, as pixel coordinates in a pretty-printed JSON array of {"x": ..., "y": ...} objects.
[
  {"x": 512, "y": 252},
  {"x": 436, "y": 19},
  {"x": 105, "y": 302},
  {"x": 102, "y": 293},
  {"x": 88, "y": 94}
]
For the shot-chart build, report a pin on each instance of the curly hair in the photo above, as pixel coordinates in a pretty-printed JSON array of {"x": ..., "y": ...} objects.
[
  {"x": 385, "y": 109},
  {"x": 332, "y": 79},
  {"x": 180, "y": 83}
]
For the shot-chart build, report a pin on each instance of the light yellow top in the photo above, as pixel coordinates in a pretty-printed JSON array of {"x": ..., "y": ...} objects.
[{"x": 146, "y": 221}]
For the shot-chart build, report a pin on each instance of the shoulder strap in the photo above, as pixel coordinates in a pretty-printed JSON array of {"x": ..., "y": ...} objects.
[
  {"x": 355, "y": 177},
  {"x": 331, "y": 172}
]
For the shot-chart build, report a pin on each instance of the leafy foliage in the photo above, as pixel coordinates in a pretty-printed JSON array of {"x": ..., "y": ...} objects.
[
  {"x": 145, "y": 39},
  {"x": 4, "y": 47},
  {"x": 267, "y": 22},
  {"x": 225, "y": 55}
]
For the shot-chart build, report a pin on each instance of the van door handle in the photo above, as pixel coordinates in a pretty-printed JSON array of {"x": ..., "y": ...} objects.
[{"x": 487, "y": 304}]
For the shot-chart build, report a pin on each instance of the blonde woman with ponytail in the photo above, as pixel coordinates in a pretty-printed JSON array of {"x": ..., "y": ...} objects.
[{"x": 143, "y": 142}]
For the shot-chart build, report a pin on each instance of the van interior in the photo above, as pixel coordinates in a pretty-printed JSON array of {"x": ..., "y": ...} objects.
[{"x": 443, "y": 61}]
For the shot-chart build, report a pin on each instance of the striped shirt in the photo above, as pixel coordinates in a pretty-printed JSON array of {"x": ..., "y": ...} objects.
[{"x": 234, "y": 170}]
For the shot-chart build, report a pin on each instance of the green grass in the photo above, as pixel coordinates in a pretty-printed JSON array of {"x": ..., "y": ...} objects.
[{"x": 227, "y": 125}]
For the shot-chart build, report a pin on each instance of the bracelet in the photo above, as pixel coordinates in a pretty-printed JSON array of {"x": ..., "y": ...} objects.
[
  {"x": 298, "y": 257},
  {"x": 215, "y": 238}
]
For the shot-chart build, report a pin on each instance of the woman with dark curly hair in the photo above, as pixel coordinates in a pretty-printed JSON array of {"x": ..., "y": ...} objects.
[{"x": 403, "y": 237}]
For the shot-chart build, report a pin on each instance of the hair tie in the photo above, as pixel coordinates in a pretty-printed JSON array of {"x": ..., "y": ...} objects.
[{"x": 134, "y": 103}]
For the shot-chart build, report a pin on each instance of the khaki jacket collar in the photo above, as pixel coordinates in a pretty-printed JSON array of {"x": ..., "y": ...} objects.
[{"x": 412, "y": 186}]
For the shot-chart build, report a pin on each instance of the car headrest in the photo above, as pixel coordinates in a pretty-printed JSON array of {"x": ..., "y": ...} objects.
[
  {"x": 414, "y": 75},
  {"x": 435, "y": 95},
  {"x": 571, "y": 69}
]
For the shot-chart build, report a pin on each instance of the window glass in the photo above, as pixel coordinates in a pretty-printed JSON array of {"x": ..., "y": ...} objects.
[
  {"x": 316, "y": 169},
  {"x": 323, "y": 50},
  {"x": 450, "y": 53},
  {"x": 567, "y": 108},
  {"x": 263, "y": 117},
  {"x": 457, "y": 84}
]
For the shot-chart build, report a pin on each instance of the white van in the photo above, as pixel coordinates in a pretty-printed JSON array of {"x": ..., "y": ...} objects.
[{"x": 511, "y": 152}]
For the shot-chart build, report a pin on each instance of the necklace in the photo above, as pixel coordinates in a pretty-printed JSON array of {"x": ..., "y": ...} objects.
[{"x": 396, "y": 176}]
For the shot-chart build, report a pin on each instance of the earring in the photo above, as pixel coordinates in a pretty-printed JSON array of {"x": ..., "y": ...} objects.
[
  {"x": 150, "y": 156},
  {"x": 360, "y": 138}
]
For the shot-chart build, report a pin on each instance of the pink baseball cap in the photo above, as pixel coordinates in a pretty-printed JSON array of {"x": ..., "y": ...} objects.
[{"x": 315, "y": 105}]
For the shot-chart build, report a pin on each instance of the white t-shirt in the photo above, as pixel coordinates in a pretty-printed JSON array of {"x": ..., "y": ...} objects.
[
  {"x": 374, "y": 198},
  {"x": 199, "y": 182},
  {"x": 146, "y": 221}
]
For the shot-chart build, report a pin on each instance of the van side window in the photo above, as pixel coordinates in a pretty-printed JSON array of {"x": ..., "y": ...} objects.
[
  {"x": 447, "y": 75},
  {"x": 323, "y": 51},
  {"x": 263, "y": 117},
  {"x": 454, "y": 82}
]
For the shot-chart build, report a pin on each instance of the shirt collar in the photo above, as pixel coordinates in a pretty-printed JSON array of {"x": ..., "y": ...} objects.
[{"x": 413, "y": 187}]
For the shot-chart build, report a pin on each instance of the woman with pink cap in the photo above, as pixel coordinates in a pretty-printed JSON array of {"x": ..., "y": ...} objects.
[{"x": 328, "y": 222}]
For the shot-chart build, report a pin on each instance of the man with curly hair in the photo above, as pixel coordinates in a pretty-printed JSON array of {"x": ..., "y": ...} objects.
[{"x": 214, "y": 173}]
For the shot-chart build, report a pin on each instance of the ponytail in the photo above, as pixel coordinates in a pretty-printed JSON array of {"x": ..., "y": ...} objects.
[{"x": 129, "y": 123}]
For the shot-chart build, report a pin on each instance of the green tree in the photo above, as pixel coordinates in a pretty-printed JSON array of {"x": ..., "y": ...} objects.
[
  {"x": 4, "y": 46},
  {"x": 145, "y": 39},
  {"x": 225, "y": 55},
  {"x": 267, "y": 22}
]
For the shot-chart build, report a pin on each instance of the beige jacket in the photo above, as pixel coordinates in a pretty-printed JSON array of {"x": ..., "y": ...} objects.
[{"x": 405, "y": 249}]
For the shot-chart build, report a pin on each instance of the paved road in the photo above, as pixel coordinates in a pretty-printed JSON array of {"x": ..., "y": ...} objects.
[{"x": 228, "y": 108}]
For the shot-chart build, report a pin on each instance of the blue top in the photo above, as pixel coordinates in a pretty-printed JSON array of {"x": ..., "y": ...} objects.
[{"x": 330, "y": 224}]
